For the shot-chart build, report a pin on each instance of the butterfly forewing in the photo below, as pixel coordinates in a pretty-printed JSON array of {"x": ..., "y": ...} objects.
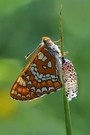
[{"x": 39, "y": 77}]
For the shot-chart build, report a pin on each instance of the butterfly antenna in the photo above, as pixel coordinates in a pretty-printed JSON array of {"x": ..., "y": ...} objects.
[{"x": 30, "y": 53}]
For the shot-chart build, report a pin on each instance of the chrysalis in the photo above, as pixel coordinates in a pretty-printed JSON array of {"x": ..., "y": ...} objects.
[{"x": 69, "y": 78}]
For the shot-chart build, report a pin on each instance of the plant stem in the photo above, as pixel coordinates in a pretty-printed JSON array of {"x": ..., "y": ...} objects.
[
  {"x": 66, "y": 103},
  {"x": 61, "y": 35},
  {"x": 67, "y": 113}
]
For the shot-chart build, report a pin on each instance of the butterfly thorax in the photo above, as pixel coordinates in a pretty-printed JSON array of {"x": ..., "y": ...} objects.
[{"x": 52, "y": 48}]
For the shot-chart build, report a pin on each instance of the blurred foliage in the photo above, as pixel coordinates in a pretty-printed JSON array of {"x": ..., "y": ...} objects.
[{"x": 22, "y": 24}]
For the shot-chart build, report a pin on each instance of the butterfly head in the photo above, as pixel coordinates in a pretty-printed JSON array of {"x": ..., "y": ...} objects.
[{"x": 51, "y": 46}]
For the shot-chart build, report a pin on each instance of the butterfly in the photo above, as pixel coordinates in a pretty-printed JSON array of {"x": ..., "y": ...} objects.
[
  {"x": 43, "y": 74},
  {"x": 40, "y": 76}
]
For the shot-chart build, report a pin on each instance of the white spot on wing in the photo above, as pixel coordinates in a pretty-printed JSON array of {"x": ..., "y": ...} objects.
[
  {"x": 33, "y": 88},
  {"x": 44, "y": 89},
  {"x": 34, "y": 73},
  {"x": 40, "y": 55},
  {"x": 29, "y": 82},
  {"x": 24, "y": 83},
  {"x": 37, "y": 74},
  {"x": 38, "y": 90},
  {"x": 35, "y": 69},
  {"x": 27, "y": 77},
  {"x": 19, "y": 95},
  {"x": 33, "y": 65},
  {"x": 49, "y": 64},
  {"x": 39, "y": 80},
  {"x": 45, "y": 49},
  {"x": 40, "y": 76},
  {"x": 44, "y": 67},
  {"x": 31, "y": 69},
  {"x": 15, "y": 92},
  {"x": 28, "y": 95},
  {"x": 36, "y": 78},
  {"x": 48, "y": 78},
  {"x": 44, "y": 58},
  {"x": 21, "y": 81},
  {"x": 43, "y": 78},
  {"x": 23, "y": 96},
  {"x": 47, "y": 75},
  {"x": 51, "y": 88},
  {"x": 52, "y": 76},
  {"x": 12, "y": 91}
]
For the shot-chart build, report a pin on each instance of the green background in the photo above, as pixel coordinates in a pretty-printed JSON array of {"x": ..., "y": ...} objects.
[{"x": 22, "y": 24}]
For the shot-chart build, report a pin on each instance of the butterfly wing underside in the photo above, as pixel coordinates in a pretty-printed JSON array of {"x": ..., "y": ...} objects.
[{"x": 38, "y": 78}]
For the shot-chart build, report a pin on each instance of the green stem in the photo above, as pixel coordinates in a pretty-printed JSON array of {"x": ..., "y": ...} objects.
[
  {"x": 67, "y": 113},
  {"x": 61, "y": 35},
  {"x": 66, "y": 103}
]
